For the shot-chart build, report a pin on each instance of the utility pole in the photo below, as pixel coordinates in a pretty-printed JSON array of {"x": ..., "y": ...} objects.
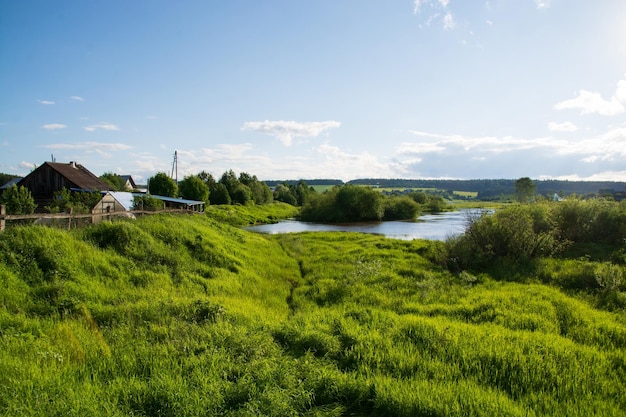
[{"x": 175, "y": 167}]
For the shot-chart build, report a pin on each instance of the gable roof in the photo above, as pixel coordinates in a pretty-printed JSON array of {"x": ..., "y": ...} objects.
[
  {"x": 128, "y": 179},
  {"x": 78, "y": 175}
]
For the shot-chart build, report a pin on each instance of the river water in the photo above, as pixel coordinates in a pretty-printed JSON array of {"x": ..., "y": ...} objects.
[{"x": 429, "y": 226}]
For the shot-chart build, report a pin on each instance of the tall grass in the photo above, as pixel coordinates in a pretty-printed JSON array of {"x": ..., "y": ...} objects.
[{"x": 190, "y": 316}]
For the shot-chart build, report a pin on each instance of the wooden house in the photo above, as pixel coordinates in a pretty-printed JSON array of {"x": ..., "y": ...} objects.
[{"x": 51, "y": 177}]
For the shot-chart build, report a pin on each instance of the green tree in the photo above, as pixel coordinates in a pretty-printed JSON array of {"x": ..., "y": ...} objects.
[
  {"x": 359, "y": 203},
  {"x": 115, "y": 181},
  {"x": 283, "y": 193},
  {"x": 348, "y": 203},
  {"x": 219, "y": 195},
  {"x": 241, "y": 195},
  {"x": 18, "y": 200},
  {"x": 208, "y": 179},
  {"x": 79, "y": 202},
  {"x": 400, "y": 208},
  {"x": 261, "y": 193},
  {"x": 147, "y": 202},
  {"x": 525, "y": 190},
  {"x": 230, "y": 181},
  {"x": 4, "y": 178},
  {"x": 193, "y": 188},
  {"x": 161, "y": 184}
]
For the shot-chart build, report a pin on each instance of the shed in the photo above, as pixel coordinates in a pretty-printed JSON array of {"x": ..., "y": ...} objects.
[{"x": 112, "y": 202}]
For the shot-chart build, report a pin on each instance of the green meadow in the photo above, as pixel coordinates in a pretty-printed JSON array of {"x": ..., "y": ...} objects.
[{"x": 189, "y": 315}]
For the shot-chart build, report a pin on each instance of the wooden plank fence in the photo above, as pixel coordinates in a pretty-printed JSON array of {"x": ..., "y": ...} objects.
[{"x": 71, "y": 217}]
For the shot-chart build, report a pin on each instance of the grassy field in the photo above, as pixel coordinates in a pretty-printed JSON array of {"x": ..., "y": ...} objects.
[{"x": 192, "y": 316}]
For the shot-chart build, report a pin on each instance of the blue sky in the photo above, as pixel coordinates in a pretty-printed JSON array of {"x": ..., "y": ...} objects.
[{"x": 320, "y": 89}]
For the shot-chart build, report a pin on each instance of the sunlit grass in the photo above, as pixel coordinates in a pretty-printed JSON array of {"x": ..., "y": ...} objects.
[{"x": 190, "y": 316}]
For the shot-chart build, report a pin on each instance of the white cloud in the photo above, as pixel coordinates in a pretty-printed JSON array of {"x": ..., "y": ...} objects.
[
  {"x": 285, "y": 131},
  {"x": 45, "y": 102},
  {"x": 562, "y": 127},
  {"x": 458, "y": 156},
  {"x": 102, "y": 125},
  {"x": 444, "y": 143},
  {"x": 592, "y": 103},
  {"x": 77, "y": 98},
  {"x": 598, "y": 176},
  {"x": 54, "y": 126}
]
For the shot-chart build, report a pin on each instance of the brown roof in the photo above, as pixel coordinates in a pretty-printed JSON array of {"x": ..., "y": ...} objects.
[{"x": 79, "y": 175}]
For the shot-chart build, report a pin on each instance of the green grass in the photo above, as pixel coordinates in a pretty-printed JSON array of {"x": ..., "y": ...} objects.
[{"x": 191, "y": 316}]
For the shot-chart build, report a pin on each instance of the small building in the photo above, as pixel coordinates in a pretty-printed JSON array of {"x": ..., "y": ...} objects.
[
  {"x": 181, "y": 203},
  {"x": 51, "y": 177},
  {"x": 129, "y": 183},
  {"x": 112, "y": 202}
]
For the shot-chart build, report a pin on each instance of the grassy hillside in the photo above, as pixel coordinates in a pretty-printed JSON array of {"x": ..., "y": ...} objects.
[{"x": 190, "y": 316}]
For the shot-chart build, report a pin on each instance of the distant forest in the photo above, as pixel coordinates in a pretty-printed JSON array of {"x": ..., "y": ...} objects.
[{"x": 486, "y": 188}]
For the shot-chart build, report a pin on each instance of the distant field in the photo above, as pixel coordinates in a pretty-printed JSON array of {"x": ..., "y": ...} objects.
[
  {"x": 471, "y": 194},
  {"x": 322, "y": 188}
]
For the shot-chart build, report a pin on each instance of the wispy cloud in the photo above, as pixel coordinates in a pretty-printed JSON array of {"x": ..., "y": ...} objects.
[
  {"x": 77, "y": 98},
  {"x": 562, "y": 127},
  {"x": 27, "y": 165},
  {"x": 102, "y": 125},
  {"x": 448, "y": 21},
  {"x": 589, "y": 102},
  {"x": 54, "y": 126},
  {"x": 285, "y": 131},
  {"x": 95, "y": 146},
  {"x": 542, "y": 4},
  {"x": 45, "y": 102},
  {"x": 435, "y": 11}
]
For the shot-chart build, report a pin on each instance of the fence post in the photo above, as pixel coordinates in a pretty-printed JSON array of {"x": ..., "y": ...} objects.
[
  {"x": 3, "y": 212},
  {"x": 69, "y": 218}
]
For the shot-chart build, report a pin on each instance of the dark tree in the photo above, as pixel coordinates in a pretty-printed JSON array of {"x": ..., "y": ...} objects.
[
  {"x": 525, "y": 190},
  {"x": 230, "y": 181},
  {"x": 219, "y": 195},
  {"x": 283, "y": 193}
]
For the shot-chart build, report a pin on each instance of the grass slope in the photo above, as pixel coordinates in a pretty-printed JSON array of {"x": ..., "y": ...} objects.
[{"x": 189, "y": 316}]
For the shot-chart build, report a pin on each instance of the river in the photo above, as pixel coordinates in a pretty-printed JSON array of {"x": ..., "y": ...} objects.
[{"x": 429, "y": 226}]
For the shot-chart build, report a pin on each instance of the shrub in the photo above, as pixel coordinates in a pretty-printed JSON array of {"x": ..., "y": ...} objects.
[
  {"x": 517, "y": 233},
  {"x": 400, "y": 208},
  {"x": 18, "y": 200}
]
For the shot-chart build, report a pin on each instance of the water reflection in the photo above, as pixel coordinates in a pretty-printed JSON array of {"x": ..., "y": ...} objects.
[{"x": 430, "y": 226}]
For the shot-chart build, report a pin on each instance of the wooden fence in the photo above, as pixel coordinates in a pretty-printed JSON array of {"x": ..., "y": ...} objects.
[{"x": 70, "y": 219}]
